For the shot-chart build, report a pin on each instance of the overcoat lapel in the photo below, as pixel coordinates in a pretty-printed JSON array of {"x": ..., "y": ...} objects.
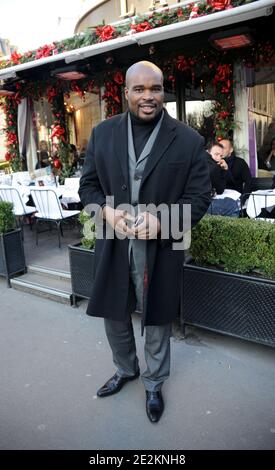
[{"x": 120, "y": 143}]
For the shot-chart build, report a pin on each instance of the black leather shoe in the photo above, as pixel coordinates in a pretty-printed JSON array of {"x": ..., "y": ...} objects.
[
  {"x": 154, "y": 406},
  {"x": 114, "y": 385}
]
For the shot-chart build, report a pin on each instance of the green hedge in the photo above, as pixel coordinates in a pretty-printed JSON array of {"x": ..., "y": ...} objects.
[
  {"x": 238, "y": 245},
  {"x": 88, "y": 230},
  {"x": 7, "y": 219}
]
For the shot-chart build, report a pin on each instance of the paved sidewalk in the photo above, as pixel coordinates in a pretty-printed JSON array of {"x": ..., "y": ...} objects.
[{"x": 53, "y": 358}]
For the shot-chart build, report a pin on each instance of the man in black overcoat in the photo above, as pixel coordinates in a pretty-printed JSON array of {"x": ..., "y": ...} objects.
[{"x": 142, "y": 157}]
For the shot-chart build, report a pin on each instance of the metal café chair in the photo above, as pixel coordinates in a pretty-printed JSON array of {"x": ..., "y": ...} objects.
[
  {"x": 49, "y": 209},
  {"x": 20, "y": 209}
]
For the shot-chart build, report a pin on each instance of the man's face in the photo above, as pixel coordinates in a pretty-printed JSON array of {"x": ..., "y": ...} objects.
[
  {"x": 144, "y": 93},
  {"x": 216, "y": 153},
  {"x": 227, "y": 147}
]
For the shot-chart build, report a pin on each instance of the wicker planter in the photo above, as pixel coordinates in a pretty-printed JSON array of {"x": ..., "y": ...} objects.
[
  {"x": 12, "y": 256},
  {"x": 233, "y": 304},
  {"x": 82, "y": 271}
]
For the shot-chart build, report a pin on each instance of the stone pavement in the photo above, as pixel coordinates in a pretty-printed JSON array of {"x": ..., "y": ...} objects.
[{"x": 53, "y": 358}]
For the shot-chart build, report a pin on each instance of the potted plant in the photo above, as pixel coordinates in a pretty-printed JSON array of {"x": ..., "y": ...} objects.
[
  {"x": 12, "y": 257},
  {"x": 81, "y": 258},
  {"x": 229, "y": 286}
]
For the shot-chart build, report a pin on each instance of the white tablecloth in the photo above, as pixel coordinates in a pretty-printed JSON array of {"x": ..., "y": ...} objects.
[
  {"x": 258, "y": 200},
  {"x": 231, "y": 193}
]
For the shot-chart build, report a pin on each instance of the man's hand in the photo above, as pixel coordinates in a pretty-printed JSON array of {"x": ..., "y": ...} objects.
[
  {"x": 147, "y": 226},
  {"x": 118, "y": 220},
  {"x": 222, "y": 163}
]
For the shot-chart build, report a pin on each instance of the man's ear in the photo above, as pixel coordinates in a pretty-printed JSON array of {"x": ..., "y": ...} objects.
[{"x": 126, "y": 91}]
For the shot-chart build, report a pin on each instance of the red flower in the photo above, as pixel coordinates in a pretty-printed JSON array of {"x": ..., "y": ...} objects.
[
  {"x": 182, "y": 63},
  {"x": 7, "y": 156},
  {"x": 58, "y": 132},
  {"x": 179, "y": 12},
  {"x": 139, "y": 28},
  {"x": 51, "y": 93},
  {"x": 12, "y": 138},
  {"x": 57, "y": 163},
  {"x": 15, "y": 58},
  {"x": 194, "y": 12},
  {"x": 223, "y": 114},
  {"x": 111, "y": 92},
  {"x": 219, "y": 4},
  {"x": 44, "y": 51},
  {"x": 105, "y": 33},
  {"x": 76, "y": 89},
  {"x": 118, "y": 78},
  {"x": 222, "y": 75}
]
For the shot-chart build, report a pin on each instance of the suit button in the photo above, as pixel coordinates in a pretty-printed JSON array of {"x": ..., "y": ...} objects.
[{"x": 124, "y": 187}]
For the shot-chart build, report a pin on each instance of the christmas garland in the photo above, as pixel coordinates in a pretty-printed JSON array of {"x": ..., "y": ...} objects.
[
  {"x": 9, "y": 107},
  {"x": 137, "y": 24}
]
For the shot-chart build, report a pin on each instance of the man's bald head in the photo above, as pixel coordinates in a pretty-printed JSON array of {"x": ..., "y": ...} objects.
[
  {"x": 144, "y": 90},
  {"x": 227, "y": 147},
  {"x": 142, "y": 66}
]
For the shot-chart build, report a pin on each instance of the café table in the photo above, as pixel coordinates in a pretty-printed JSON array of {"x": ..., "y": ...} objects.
[{"x": 259, "y": 200}]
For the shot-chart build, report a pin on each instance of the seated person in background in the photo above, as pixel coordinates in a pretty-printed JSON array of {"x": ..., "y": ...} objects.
[
  {"x": 238, "y": 176},
  {"x": 265, "y": 147},
  {"x": 270, "y": 157},
  {"x": 262, "y": 166},
  {"x": 42, "y": 155},
  {"x": 218, "y": 169},
  {"x": 73, "y": 157}
]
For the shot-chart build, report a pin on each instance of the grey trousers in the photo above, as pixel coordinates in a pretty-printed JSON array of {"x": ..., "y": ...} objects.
[{"x": 121, "y": 338}]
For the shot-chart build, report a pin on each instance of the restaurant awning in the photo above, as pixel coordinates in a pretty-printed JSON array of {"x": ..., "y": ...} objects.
[{"x": 256, "y": 9}]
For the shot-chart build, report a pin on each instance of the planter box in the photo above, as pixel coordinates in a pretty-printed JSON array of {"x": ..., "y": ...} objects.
[
  {"x": 12, "y": 256},
  {"x": 82, "y": 271},
  {"x": 233, "y": 304}
]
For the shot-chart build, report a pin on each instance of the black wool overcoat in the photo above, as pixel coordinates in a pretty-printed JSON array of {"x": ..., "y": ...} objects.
[{"x": 176, "y": 172}]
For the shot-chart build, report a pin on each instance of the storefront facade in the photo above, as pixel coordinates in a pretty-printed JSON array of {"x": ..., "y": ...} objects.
[{"x": 212, "y": 90}]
